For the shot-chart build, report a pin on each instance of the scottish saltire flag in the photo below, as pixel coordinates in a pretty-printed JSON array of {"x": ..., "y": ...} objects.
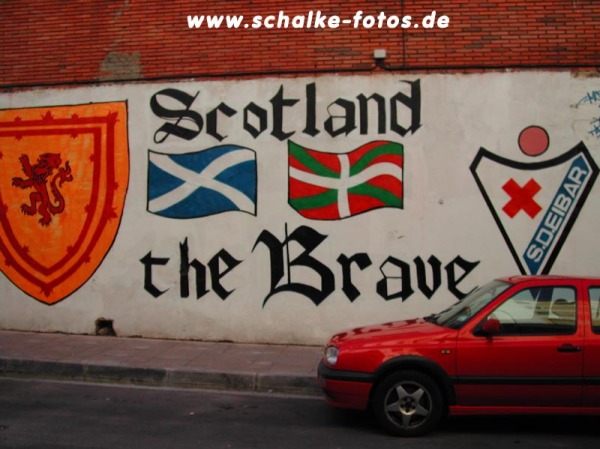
[
  {"x": 332, "y": 186},
  {"x": 207, "y": 182}
]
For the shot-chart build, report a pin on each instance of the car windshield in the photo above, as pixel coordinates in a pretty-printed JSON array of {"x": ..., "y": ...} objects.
[{"x": 457, "y": 315}]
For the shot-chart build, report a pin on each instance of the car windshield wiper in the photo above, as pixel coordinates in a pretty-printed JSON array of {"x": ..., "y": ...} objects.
[{"x": 431, "y": 318}]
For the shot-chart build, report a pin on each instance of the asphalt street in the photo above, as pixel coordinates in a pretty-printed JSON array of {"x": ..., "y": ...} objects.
[{"x": 51, "y": 415}]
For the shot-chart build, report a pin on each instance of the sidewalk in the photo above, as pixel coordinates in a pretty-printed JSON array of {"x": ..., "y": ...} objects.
[{"x": 163, "y": 363}]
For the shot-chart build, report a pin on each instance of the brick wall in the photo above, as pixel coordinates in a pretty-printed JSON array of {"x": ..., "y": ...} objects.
[{"x": 47, "y": 42}]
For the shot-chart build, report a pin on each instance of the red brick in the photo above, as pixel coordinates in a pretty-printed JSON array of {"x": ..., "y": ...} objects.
[{"x": 57, "y": 42}]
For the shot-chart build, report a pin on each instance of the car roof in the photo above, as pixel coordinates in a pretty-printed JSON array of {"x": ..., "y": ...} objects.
[{"x": 516, "y": 279}]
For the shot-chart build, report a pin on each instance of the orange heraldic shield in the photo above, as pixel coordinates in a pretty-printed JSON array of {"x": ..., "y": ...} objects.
[{"x": 64, "y": 175}]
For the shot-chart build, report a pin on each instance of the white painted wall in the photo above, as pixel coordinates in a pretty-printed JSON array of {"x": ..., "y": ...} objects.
[{"x": 444, "y": 212}]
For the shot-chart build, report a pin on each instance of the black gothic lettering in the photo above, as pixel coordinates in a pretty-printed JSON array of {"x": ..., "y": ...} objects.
[
  {"x": 308, "y": 239},
  {"x": 396, "y": 283},
  {"x": 349, "y": 118},
  {"x": 258, "y": 112},
  {"x": 216, "y": 274},
  {"x": 279, "y": 103},
  {"x": 413, "y": 103},
  {"x": 186, "y": 116},
  {"x": 311, "y": 110},
  {"x": 382, "y": 286},
  {"x": 453, "y": 282},
  {"x": 364, "y": 113},
  {"x": 404, "y": 114},
  {"x": 148, "y": 262},
  {"x": 363, "y": 261},
  {"x": 211, "y": 120},
  {"x": 276, "y": 256},
  {"x": 184, "y": 269},
  {"x": 436, "y": 268}
]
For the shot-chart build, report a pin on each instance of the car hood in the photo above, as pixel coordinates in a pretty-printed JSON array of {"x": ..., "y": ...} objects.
[{"x": 407, "y": 331}]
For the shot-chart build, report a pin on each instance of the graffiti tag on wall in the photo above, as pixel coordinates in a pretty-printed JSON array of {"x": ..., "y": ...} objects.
[{"x": 592, "y": 98}]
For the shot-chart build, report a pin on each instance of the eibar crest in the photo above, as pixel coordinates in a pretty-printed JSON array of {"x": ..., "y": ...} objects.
[
  {"x": 66, "y": 175},
  {"x": 535, "y": 204}
]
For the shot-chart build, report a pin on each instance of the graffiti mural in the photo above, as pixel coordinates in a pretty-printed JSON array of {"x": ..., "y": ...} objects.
[
  {"x": 281, "y": 210},
  {"x": 321, "y": 186},
  {"x": 65, "y": 174}
]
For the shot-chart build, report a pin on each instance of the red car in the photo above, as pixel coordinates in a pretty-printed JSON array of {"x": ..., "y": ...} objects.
[{"x": 518, "y": 345}]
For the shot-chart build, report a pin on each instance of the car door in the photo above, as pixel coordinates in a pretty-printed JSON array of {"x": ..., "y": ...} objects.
[
  {"x": 591, "y": 358},
  {"x": 536, "y": 358}
]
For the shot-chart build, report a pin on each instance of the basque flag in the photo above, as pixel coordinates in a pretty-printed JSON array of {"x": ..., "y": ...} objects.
[
  {"x": 333, "y": 186},
  {"x": 202, "y": 183}
]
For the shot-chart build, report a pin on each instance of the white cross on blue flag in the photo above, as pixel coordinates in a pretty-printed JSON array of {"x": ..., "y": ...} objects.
[{"x": 202, "y": 183}]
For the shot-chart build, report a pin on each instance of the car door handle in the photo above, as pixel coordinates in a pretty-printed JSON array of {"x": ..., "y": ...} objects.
[{"x": 568, "y": 348}]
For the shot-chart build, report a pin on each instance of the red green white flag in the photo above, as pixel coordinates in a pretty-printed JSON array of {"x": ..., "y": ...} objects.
[{"x": 333, "y": 186}]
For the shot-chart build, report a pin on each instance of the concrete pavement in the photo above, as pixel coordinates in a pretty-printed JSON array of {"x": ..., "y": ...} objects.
[{"x": 164, "y": 363}]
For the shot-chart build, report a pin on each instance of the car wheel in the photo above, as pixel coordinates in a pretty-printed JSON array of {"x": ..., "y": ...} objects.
[{"x": 408, "y": 403}]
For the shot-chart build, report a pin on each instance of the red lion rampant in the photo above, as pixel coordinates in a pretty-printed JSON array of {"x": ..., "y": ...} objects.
[{"x": 38, "y": 175}]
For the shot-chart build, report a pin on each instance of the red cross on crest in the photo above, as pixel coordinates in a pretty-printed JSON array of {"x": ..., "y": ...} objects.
[{"x": 521, "y": 198}]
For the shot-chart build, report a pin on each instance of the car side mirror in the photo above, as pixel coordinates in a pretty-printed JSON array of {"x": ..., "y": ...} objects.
[{"x": 490, "y": 327}]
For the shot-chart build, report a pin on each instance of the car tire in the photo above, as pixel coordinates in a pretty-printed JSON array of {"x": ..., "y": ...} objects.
[{"x": 408, "y": 403}]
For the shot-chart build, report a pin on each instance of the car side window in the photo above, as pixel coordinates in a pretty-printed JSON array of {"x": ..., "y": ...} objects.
[
  {"x": 539, "y": 311},
  {"x": 595, "y": 308}
]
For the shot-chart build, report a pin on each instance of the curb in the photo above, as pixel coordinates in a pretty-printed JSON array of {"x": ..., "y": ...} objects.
[{"x": 159, "y": 377}]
